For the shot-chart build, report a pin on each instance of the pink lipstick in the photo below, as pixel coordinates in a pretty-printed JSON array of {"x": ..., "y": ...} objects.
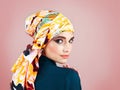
[{"x": 64, "y": 56}]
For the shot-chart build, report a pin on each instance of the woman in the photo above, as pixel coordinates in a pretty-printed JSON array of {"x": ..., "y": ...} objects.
[{"x": 41, "y": 65}]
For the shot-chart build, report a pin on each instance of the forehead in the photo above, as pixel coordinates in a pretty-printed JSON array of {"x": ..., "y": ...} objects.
[{"x": 65, "y": 34}]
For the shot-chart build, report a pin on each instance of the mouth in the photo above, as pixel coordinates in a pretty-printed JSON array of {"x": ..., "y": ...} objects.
[{"x": 64, "y": 56}]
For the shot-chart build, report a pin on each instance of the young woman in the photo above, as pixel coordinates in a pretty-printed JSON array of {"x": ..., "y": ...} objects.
[{"x": 41, "y": 65}]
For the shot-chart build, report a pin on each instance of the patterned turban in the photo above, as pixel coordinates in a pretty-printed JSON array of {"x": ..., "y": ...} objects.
[{"x": 42, "y": 27}]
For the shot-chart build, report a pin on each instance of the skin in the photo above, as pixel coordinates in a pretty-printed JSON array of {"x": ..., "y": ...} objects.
[{"x": 58, "y": 49}]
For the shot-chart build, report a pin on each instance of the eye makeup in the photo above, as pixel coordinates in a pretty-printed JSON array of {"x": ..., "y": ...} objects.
[
  {"x": 71, "y": 40},
  {"x": 59, "y": 41},
  {"x": 62, "y": 39}
]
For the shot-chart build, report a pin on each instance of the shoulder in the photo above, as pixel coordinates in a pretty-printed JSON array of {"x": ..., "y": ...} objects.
[
  {"x": 67, "y": 69},
  {"x": 73, "y": 81},
  {"x": 72, "y": 73},
  {"x": 68, "y": 72}
]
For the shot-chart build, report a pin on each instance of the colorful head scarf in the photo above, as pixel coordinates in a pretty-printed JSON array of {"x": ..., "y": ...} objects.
[{"x": 42, "y": 26}]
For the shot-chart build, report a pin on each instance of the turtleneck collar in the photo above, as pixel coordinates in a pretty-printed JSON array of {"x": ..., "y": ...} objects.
[{"x": 44, "y": 59}]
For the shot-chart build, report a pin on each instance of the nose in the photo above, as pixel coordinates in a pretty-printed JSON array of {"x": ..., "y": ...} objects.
[{"x": 67, "y": 48}]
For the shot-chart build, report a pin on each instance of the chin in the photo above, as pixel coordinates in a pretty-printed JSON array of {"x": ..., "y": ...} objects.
[{"x": 63, "y": 61}]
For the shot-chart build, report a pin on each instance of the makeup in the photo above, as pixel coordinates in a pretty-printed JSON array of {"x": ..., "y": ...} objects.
[{"x": 64, "y": 56}]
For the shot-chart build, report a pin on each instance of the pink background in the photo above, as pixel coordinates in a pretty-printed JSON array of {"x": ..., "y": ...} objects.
[{"x": 96, "y": 51}]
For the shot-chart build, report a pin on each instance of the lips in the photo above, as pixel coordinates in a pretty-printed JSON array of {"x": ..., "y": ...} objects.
[{"x": 64, "y": 56}]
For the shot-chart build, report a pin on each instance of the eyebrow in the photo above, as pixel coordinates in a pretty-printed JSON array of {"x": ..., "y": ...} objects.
[{"x": 62, "y": 37}]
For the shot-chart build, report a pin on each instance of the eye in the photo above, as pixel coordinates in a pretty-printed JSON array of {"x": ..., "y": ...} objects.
[
  {"x": 71, "y": 41},
  {"x": 59, "y": 41}
]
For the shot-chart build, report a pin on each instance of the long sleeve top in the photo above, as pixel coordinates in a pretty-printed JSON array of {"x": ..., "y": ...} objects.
[{"x": 52, "y": 77}]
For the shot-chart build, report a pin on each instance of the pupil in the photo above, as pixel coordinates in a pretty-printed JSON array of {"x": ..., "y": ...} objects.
[{"x": 59, "y": 41}]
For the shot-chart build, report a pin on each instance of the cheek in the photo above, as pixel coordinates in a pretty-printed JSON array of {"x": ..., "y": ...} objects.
[
  {"x": 56, "y": 49},
  {"x": 53, "y": 48},
  {"x": 70, "y": 47}
]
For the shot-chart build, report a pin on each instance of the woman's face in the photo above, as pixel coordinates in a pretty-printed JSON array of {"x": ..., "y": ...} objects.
[{"x": 59, "y": 48}]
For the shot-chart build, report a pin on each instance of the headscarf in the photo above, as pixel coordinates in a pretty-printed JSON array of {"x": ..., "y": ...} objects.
[{"x": 42, "y": 26}]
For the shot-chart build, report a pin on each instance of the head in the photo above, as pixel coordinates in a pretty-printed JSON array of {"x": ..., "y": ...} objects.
[
  {"x": 59, "y": 47},
  {"x": 53, "y": 33}
]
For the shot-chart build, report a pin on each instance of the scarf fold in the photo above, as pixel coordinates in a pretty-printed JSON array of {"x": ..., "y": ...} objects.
[{"x": 42, "y": 27}]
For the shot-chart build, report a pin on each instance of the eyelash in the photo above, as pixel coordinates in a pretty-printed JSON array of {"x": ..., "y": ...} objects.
[
  {"x": 58, "y": 41},
  {"x": 71, "y": 40}
]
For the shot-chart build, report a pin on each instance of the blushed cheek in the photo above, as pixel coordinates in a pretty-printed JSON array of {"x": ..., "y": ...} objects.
[{"x": 53, "y": 48}]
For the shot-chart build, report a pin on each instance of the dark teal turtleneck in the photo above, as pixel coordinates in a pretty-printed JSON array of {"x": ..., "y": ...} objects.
[{"x": 52, "y": 77}]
